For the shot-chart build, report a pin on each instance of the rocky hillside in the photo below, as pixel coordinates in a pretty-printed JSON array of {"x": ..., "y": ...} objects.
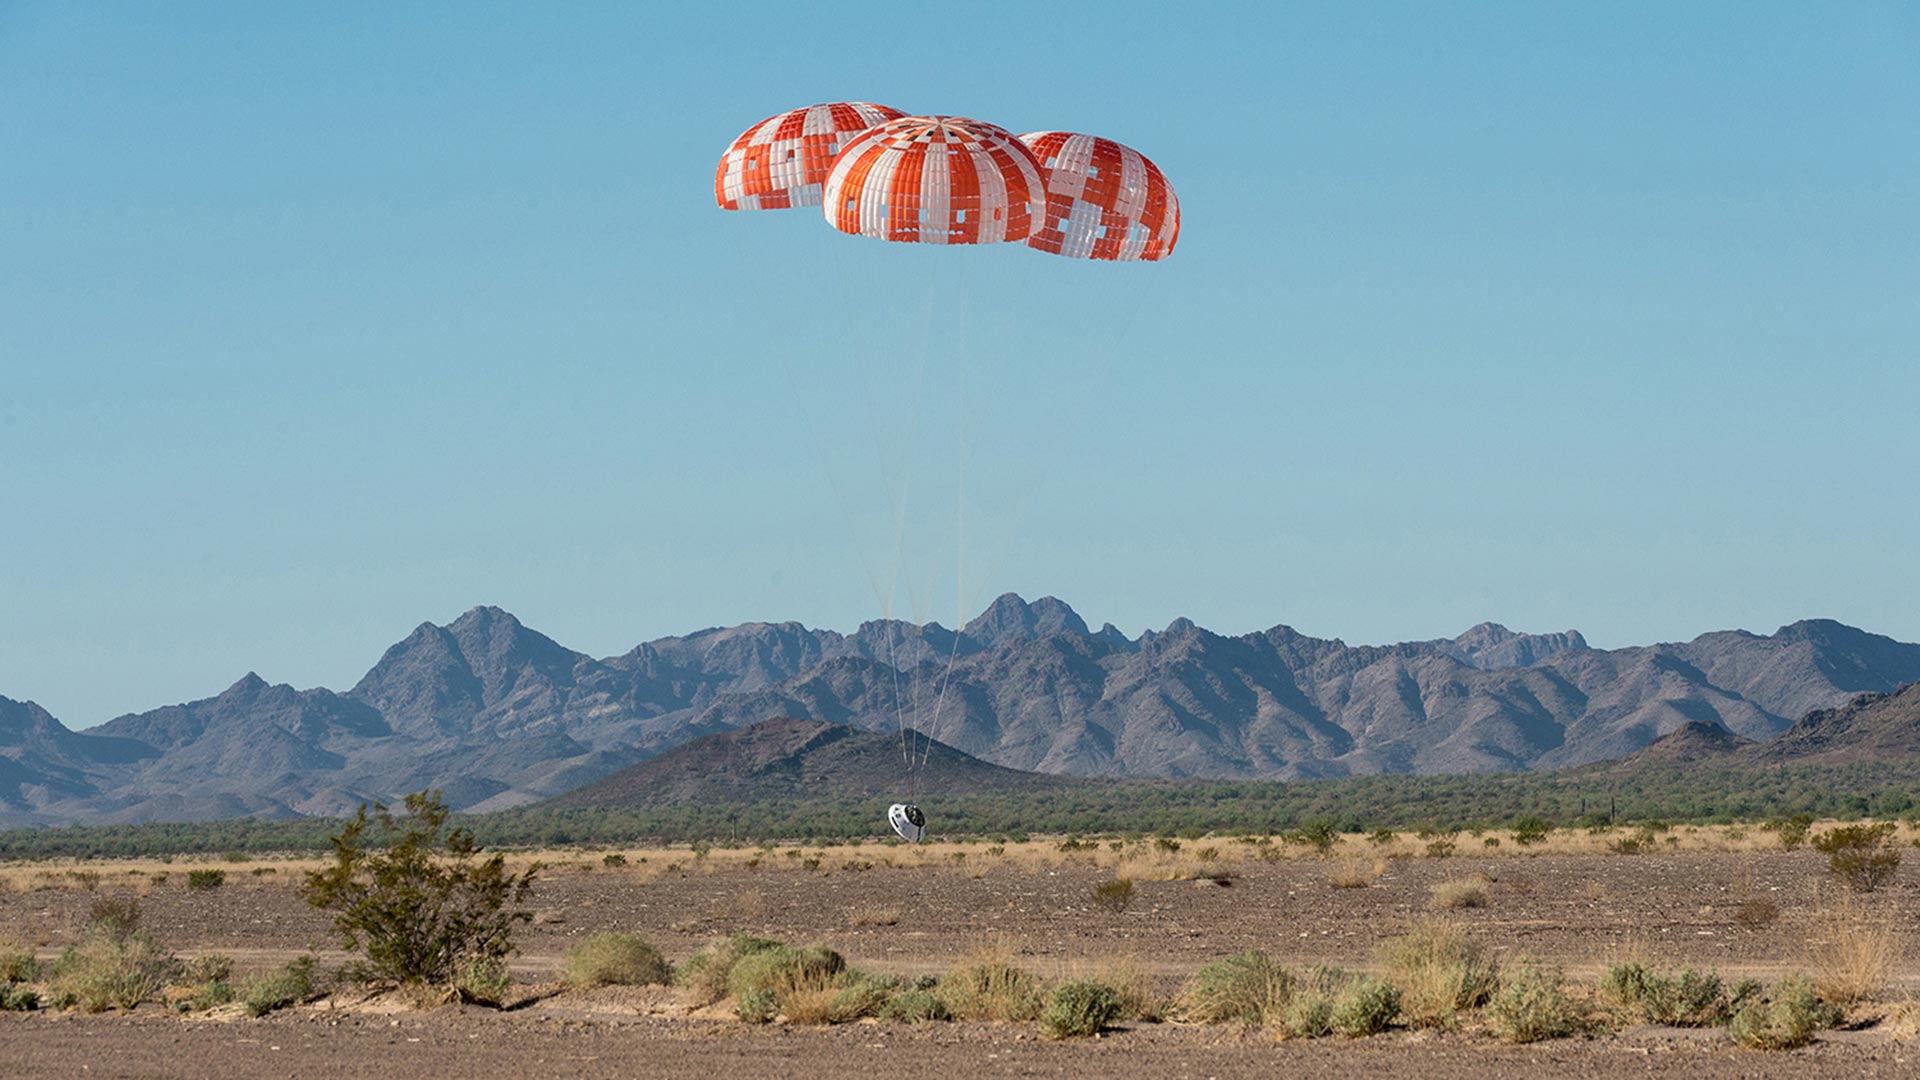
[
  {"x": 498, "y": 715},
  {"x": 785, "y": 759}
]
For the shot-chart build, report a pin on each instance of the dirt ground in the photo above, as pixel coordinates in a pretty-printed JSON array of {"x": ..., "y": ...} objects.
[{"x": 1741, "y": 911}]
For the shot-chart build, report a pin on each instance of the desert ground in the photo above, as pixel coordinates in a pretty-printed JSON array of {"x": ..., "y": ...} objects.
[{"x": 1727, "y": 900}]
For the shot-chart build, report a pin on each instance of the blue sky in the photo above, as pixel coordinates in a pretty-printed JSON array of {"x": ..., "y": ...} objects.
[{"x": 318, "y": 322}]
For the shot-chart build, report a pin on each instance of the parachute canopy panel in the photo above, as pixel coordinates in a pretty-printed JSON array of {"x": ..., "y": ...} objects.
[
  {"x": 1105, "y": 200},
  {"x": 782, "y": 161},
  {"x": 935, "y": 180}
]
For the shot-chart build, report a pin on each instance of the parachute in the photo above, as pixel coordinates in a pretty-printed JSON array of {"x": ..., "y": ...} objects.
[
  {"x": 1104, "y": 200},
  {"x": 875, "y": 171},
  {"x": 908, "y": 821},
  {"x": 935, "y": 180},
  {"x": 781, "y": 161}
]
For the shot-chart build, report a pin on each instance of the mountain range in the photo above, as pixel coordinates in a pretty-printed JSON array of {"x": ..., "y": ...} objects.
[{"x": 497, "y": 715}]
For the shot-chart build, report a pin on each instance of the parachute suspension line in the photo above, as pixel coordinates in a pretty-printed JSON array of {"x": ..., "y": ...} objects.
[{"x": 959, "y": 525}]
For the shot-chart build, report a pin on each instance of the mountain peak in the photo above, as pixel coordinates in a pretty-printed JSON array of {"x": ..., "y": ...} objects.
[{"x": 1010, "y": 618}]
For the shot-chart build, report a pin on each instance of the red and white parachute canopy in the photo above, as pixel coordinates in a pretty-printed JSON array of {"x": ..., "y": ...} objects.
[
  {"x": 1104, "y": 200},
  {"x": 782, "y": 160},
  {"x": 935, "y": 180}
]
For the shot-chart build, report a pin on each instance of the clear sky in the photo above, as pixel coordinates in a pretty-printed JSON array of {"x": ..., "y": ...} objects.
[{"x": 320, "y": 321}]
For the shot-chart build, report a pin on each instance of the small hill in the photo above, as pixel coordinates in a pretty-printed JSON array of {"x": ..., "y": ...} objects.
[
  {"x": 1870, "y": 727},
  {"x": 787, "y": 759},
  {"x": 1694, "y": 741}
]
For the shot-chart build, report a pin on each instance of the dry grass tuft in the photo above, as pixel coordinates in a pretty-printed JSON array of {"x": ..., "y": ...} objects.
[
  {"x": 990, "y": 985},
  {"x": 1351, "y": 874},
  {"x": 1459, "y": 893},
  {"x": 875, "y": 915},
  {"x": 1440, "y": 971},
  {"x": 1853, "y": 953}
]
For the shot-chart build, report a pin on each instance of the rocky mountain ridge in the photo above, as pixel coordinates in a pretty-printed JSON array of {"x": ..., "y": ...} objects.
[{"x": 498, "y": 715}]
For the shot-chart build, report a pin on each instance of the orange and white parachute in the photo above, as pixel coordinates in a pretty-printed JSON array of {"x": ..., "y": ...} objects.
[
  {"x": 782, "y": 161},
  {"x": 935, "y": 180},
  {"x": 1104, "y": 200}
]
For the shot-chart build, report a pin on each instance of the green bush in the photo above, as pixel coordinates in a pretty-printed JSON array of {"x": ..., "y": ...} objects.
[
  {"x": 270, "y": 990},
  {"x": 915, "y": 1005},
  {"x": 1861, "y": 856},
  {"x": 212, "y": 994},
  {"x": 1245, "y": 988},
  {"x": 1686, "y": 998},
  {"x": 1785, "y": 1018},
  {"x": 616, "y": 959},
  {"x": 418, "y": 901},
  {"x": 18, "y": 997},
  {"x": 1532, "y": 1005},
  {"x": 705, "y": 974},
  {"x": 1078, "y": 1008},
  {"x": 1365, "y": 1007},
  {"x": 784, "y": 967},
  {"x": 1530, "y": 829},
  {"x": 201, "y": 880}
]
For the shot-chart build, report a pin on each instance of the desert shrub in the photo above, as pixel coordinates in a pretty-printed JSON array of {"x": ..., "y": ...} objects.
[
  {"x": 17, "y": 965},
  {"x": 1686, "y": 998},
  {"x": 1784, "y": 1019},
  {"x": 992, "y": 987},
  {"x": 1853, "y": 954},
  {"x": 202, "y": 880},
  {"x": 1364, "y": 1007},
  {"x": 1459, "y": 893},
  {"x": 705, "y": 974},
  {"x": 1114, "y": 896},
  {"x": 613, "y": 859},
  {"x": 1320, "y": 834},
  {"x": 1439, "y": 971},
  {"x": 1440, "y": 848},
  {"x": 1861, "y": 856},
  {"x": 915, "y": 1005},
  {"x": 18, "y": 997},
  {"x": 419, "y": 902},
  {"x": 616, "y": 959},
  {"x": 1349, "y": 874},
  {"x": 1792, "y": 831},
  {"x": 1078, "y": 1008},
  {"x": 209, "y": 968},
  {"x": 840, "y": 998},
  {"x": 113, "y": 964},
  {"x": 212, "y": 995},
  {"x": 1381, "y": 837},
  {"x": 782, "y": 968},
  {"x": 1245, "y": 988},
  {"x": 1308, "y": 1014},
  {"x": 1529, "y": 829},
  {"x": 268, "y": 991},
  {"x": 1532, "y": 1005},
  {"x": 483, "y": 980}
]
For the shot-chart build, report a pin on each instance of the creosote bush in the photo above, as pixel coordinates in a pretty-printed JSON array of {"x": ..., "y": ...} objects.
[
  {"x": 1862, "y": 857},
  {"x": 1440, "y": 971},
  {"x": 417, "y": 898},
  {"x": 1078, "y": 1008},
  {"x": 616, "y": 959}
]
